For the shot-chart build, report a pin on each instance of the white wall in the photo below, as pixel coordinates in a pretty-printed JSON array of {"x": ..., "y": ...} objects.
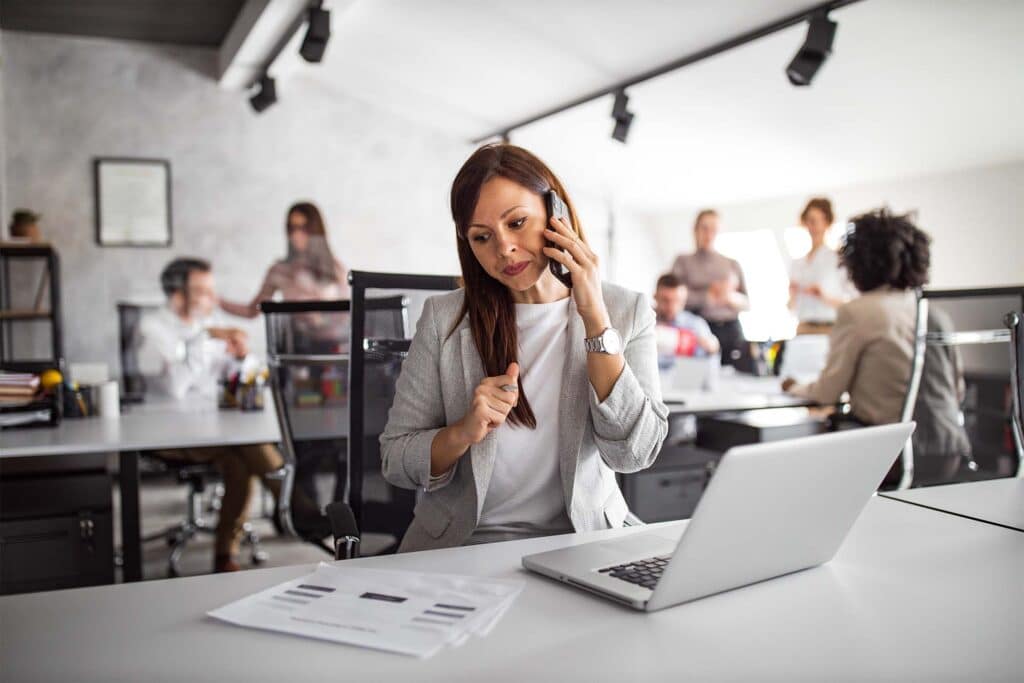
[
  {"x": 974, "y": 216},
  {"x": 381, "y": 180}
]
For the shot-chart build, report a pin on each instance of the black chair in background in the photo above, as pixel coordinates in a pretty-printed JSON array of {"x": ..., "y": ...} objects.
[
  {"x": 375, "y": 363},
  {"x": 198, "y": 478},
  {"x": 981, "y": 317},
  {"x": 1014, "y": 323},
  {"x": 308, "y": 353}
]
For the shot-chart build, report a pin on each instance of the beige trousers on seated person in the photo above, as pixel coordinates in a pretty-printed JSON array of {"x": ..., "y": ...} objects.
[{"x": 238, "y": 466}]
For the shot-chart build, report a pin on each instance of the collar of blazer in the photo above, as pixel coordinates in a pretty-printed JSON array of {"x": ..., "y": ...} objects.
[{"x": 574, "y": 407}]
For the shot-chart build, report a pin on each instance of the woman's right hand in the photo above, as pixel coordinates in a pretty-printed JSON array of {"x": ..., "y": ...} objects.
[{"x": 492, "y": 402}]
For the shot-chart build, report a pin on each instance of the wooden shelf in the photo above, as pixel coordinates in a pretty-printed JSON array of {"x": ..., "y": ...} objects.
[{"x": 24, "y": 315}]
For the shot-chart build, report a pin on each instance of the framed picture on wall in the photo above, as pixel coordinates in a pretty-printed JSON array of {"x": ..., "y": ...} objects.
[{"x": 133, "y": 202}]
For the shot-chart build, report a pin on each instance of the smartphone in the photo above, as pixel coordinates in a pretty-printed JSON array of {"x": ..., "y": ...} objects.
[{"x": 557, "y": 208}]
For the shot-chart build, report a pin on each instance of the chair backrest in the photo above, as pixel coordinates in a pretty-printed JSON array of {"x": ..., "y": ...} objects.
[
  {"x": 129, "y": 320},
  {"x": 917, "y": 360},
  {"x": 1014, "y": 323},
  {"x": 375, "y": 363},
  {"x": 307, "y": 358},
  {"x": 308, "y": 352},
  {"x": 980, "y": 318},
  {"x": 913, "y": 386}
]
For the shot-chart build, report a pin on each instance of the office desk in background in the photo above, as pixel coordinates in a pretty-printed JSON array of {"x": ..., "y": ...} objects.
[
  {"x": 894, "y": 604},
  {"x": 733, "y": 393},
  {"x": 159, "y": 425},
  {"x": 997, "y": 501}
]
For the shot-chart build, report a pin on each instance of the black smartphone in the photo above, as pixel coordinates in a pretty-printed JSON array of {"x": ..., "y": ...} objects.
[{"x": 557, "y": 209}]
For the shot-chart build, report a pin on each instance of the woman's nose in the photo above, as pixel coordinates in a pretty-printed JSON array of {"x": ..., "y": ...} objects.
[{"x": 506, "y": 245}]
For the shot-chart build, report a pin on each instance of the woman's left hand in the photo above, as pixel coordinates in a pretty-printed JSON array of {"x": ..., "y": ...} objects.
[{"x": 581, "y": 261}]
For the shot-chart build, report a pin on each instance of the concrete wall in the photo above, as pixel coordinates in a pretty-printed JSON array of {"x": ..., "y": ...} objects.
[
  {"x": 382, "y": 181},
  {"x": 975, "y": 217}
]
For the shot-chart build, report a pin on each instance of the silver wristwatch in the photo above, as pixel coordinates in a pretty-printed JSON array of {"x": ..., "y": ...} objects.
[{"x": 608, "y": 342}]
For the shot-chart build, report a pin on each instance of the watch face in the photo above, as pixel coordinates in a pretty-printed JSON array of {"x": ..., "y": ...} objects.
[{"x": 612, "y": 341}]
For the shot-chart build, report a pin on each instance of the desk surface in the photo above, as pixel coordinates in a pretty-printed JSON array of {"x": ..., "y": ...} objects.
[
  {"x": 157, "y": 425},
  {"x": 166, "y": 424},
  {"x": 999, "y": 501},
  {"x": 734, "y": 393},
  {"x": 911, "y": 595}
]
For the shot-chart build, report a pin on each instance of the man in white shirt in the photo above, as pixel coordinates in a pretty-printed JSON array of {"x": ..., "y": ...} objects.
[{"x": 183, "y": 350}]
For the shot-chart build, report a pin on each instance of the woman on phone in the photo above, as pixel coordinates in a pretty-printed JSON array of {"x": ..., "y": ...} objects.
[{"x": 522, "y": 397}]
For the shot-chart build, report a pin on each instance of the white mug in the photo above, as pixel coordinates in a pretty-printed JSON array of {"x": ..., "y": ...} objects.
[{"x": 109, "y": 404}]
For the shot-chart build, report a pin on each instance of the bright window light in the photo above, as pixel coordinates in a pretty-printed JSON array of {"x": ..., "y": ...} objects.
[{"x": 766, "y": 272}]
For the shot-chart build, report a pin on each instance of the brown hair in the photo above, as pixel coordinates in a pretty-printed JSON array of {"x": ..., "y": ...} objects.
[
  {"x": 318, "y": 257},
  {"x": 703, "y": 213},
  {"x": 821, "y": 204},
  {"x": 488, "y": 303},
  {"x": 668, "y": 281}
]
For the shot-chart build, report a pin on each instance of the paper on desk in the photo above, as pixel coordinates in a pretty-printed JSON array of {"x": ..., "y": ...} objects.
[{"x": 399, "y": 611}]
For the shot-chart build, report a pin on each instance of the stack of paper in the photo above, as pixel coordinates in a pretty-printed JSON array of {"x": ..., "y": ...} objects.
[{"x": 399, "y": 611}]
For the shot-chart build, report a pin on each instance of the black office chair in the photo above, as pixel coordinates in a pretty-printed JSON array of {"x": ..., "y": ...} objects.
[
  {"x": 1013, "y": 322},
  {"x": 198, "y": 478},
  {"x": 308, "y": 350},
  {"x": 379, "y": 345}
]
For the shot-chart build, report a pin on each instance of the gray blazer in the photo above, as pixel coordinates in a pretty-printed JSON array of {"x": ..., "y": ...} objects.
[{"x": 596, "y": 440}]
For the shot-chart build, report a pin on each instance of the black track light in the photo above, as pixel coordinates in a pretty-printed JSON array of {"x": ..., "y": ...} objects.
[
  {"x": 816, "y": 48},
  {"x": 265, "y": 96},
  {"x": 622, "y": 116},
  {"x": 317, "y": 34}
]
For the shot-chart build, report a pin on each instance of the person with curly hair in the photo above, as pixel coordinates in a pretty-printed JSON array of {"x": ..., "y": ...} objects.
[{"x": 871, "y": 346}]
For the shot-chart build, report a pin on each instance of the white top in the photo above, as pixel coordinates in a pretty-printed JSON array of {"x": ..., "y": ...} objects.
[
  {"x": 525, "y": 491},
  {"x": 178, "y": 357},
  {"x": 820, "y": 267}
]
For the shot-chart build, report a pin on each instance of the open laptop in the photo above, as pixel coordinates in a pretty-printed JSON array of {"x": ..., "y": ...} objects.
[{"x": 771, "y": 509}]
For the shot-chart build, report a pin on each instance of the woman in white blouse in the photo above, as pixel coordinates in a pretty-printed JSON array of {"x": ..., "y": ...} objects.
[
  {"x": 818, "y": 285},
  {"x": 521, "y": 397}
]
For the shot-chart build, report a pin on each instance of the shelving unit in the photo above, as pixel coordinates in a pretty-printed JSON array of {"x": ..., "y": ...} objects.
[{"x": 29, "y": 296}]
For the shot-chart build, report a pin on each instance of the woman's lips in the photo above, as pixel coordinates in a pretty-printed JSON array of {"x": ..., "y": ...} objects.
[{"x": 515, "y": 269}]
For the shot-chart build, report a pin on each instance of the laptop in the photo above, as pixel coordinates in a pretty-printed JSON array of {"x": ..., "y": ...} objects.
[{"x": 770, "y": 509}]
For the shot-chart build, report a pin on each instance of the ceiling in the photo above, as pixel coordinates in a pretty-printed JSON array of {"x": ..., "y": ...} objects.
[
  {"x": 183, "y": 22},
  {"x": 913, "y": 87}
]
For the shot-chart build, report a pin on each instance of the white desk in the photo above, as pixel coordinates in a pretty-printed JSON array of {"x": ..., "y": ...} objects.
[
  {"x": 158, "y": 425},
  {"x": 734, "y": 393},
  {"x": 999, "y": 501},
  {"x": 912, "y": 595}
]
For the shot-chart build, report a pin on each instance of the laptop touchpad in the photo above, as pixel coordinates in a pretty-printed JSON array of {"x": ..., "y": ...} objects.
[{"x": 639, "y": 546}]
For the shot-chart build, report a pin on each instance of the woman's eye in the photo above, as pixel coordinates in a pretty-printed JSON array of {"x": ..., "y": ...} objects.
[
  {"x": 480, "y": 239},
  {"x": 518, "y": 223}
]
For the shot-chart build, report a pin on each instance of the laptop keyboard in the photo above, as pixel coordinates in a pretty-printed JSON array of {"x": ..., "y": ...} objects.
[{"x": 641, "y": 572}]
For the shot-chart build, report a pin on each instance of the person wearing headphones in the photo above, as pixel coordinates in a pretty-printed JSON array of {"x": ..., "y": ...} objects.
[
  {"x": 522, "y": 397},
  {"x": 183, "y": 348}
]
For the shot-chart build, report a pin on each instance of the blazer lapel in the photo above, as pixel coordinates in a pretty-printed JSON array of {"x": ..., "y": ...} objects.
[
  {"x": 482, "y": 454},
  {"x": 574, "y": 404}
]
